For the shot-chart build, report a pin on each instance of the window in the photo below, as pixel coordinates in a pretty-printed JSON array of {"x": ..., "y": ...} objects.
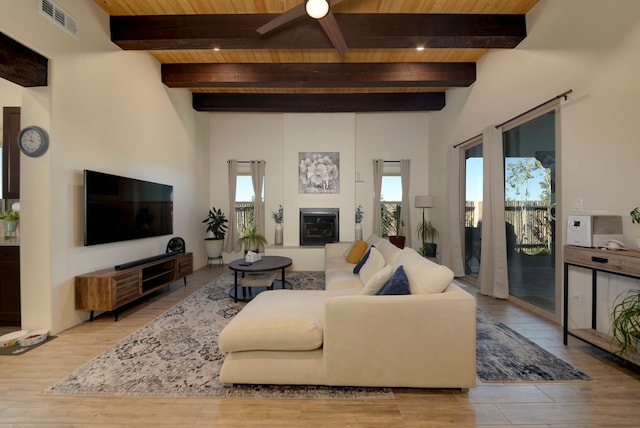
[
  {"x": 391, "y": 201},
  {"x": 245, "y": 198}
]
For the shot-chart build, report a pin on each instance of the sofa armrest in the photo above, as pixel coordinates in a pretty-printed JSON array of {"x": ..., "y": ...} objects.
[{"x": 416, "y": 340}]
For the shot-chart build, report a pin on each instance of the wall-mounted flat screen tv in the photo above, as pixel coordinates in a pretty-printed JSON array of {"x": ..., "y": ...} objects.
[{"x": 121, "y": 209}]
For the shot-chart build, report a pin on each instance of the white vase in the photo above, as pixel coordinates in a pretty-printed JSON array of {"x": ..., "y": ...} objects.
[
  {"x": 358, "y": 231},
  {"x": 278, "y": 237}
]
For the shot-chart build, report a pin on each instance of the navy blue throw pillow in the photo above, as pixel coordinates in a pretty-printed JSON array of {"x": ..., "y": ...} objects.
[
  {"x": 361, "y": 262},
  {"x": 397, "y": 284}
]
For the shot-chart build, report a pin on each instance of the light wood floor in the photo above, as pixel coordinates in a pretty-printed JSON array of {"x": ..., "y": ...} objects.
[{"x": 613, "y": 400}]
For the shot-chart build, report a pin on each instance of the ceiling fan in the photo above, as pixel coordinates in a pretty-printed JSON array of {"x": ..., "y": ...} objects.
[{"x": 317, "y": 9}]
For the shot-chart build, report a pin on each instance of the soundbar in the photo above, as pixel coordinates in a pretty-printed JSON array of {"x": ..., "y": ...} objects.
[{"x": 146, "y": 260}]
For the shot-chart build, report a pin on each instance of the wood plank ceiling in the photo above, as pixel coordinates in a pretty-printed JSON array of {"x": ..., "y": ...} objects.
[{"x": 402, "y": 55}]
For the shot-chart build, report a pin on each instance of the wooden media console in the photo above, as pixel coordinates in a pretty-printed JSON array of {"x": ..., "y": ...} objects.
[{"x": 110, "y": 289}]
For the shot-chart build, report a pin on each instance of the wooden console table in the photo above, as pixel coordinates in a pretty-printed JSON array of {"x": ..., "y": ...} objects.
[
  {"x": 622, "y": 262},
  {"x": 110, "y": 289}
]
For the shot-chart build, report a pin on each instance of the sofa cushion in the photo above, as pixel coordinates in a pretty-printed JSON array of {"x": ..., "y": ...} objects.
[
  {"x": 373, "y": 239},
  {"x": 374, "y": 263},
  {"x": 277, "y": 320},
  {"x": 425, "y": 277},
  {"x": 339, "y": 279},
  {"x": 377, "y": 281},
  {"x": 357, "y": 251},
  {"x": 397, "y": 284},
  {"x": 362, "y": 261},
  {"x": 389, "y": 251}
]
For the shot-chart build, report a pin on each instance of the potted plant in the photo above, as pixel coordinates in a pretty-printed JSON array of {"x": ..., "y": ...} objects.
[
  {"x": 635, "y": 218},
  {"x": 398, "y": 239},
  {"x": 252, "y": 241},
  {"x": 359, "y": 217},
  {"x": 428, "y": 232},
  {"x": 216, "y": 229},
  {"x": 625, "y": 322},
  {"x": 10, "y": 218},
  {"x": 278, "y": 217}
]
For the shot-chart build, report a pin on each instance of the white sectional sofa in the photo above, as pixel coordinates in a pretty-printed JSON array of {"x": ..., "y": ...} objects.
[{"x": 340, "y": 336}]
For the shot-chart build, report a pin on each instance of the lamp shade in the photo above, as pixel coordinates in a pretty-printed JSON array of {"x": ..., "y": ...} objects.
[
  {"x": 317, "y": 8},
  {"x": 424, "y": 201}
]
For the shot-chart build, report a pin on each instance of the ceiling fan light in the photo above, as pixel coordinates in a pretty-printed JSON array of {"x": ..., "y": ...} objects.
[{"x": 317, "y": 8}]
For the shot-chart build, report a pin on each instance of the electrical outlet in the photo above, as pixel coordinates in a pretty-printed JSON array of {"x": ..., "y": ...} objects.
[{"x": 577, "y": 300}]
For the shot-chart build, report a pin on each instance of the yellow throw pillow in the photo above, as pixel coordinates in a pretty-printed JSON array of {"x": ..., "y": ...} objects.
[{"x": 357, "y": 250}]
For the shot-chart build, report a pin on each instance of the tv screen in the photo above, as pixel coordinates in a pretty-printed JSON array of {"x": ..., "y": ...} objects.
[{"x": 121, "y": 209}]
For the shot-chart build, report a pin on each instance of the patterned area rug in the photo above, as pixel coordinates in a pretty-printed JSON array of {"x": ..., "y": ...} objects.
[
  {"x": 176, "y": 355},
  {"x": 503, "y": 355}
]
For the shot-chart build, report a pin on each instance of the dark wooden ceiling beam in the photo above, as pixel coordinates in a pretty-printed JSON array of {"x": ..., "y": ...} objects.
[
  {"x": 21, "y": 65},
  {"x": 361, "y": 31},
  {"x": 319, "y": 75},
  {"x": 318, "y": 103}
]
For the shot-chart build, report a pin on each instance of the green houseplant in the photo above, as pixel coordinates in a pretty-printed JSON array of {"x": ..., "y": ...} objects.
[
  {"x": 10, "y": 215},
  {"x": 252, "y": 241},
  {"x": 217, "y": 227},
  {"x": 625, "y": 322},
  {"x": 635, "y": 215},
  {"x": 398, "y": 239},
  {"x": 10, "y": 218},
  {"x": 428, "y": 232}
]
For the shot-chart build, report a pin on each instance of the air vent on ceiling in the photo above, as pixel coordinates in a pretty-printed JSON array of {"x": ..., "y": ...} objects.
[{"x": 56, "y": 14}]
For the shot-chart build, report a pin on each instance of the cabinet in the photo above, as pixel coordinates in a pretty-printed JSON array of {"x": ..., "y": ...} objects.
[
  {"x": 624, "y": 263},
  {"x": 110, "y": 289},
  {"x": 10, "y": 153},
  {"x": 9, "y": 285}
]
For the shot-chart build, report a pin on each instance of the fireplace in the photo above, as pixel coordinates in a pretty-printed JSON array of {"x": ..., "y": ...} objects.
[{"x": 319, "y": 226}]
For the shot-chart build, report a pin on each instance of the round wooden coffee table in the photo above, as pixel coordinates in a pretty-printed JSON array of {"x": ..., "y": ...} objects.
[{"x": 258, "y": 269}]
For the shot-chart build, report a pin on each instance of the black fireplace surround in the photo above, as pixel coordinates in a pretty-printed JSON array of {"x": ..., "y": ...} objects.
[{"x": 319, "y": 226}]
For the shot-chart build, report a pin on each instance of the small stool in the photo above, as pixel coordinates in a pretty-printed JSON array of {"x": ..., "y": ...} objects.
[{"x": 255, "y": 280}]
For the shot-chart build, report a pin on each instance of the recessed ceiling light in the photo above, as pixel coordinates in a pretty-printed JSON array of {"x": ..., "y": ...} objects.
[
  {"x": 216, "y": 49},
  {"x": 420, "y": 48}
]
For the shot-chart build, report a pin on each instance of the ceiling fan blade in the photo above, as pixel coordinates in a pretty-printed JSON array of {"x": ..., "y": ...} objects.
[
  {"x": 330, "y": 26},
  {"x": 284, "y": 18}
]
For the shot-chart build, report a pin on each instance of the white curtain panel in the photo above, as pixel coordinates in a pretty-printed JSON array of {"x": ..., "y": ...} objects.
[
  {"x": 231, "y": 244},
  {"x": 378, "y": 169},
  {"x": 451, "y": 242},
  {"x": 493, "y": 279},
  {"x": 257, "y": 178},
  {"x": 405, "y": 212}
]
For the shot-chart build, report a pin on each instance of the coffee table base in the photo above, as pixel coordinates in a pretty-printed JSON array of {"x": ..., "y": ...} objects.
[{"x": 245, "y": 294}]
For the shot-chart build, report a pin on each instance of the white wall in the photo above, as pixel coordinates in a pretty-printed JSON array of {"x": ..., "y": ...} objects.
[
  {"x": 584, "y": 45},
  {"x": 105, "y": 109},
  {"x": 278, "y": 138}
]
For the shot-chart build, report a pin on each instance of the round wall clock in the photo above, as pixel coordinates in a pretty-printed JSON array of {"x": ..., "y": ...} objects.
[{"x": 33, "y": 141}]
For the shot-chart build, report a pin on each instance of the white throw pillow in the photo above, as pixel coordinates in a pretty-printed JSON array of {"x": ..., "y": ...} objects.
[
  {"x": 377, "y": 281},
  {"x": 425, "y": 277},
  {"x": 374, "y": 263}
]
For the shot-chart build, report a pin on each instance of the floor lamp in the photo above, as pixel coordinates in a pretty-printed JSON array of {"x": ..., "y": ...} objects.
[{"x": 424, "y": 201}]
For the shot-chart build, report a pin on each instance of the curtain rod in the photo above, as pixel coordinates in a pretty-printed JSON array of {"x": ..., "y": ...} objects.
[
  {"x": 466, "y": 141},
  {"x": 246, "y": 161},
  {"x": 562, "y": 95},
  {"x": 387, "y": 161}
]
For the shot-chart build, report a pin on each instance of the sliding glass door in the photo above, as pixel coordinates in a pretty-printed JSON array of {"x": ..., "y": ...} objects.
[
  {"x": 530, "y": 195},
  {"x": 530, "y": 188}
]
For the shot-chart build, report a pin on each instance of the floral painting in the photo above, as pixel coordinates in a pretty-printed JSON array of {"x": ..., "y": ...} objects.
[{"x": 319, "y": 172}]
